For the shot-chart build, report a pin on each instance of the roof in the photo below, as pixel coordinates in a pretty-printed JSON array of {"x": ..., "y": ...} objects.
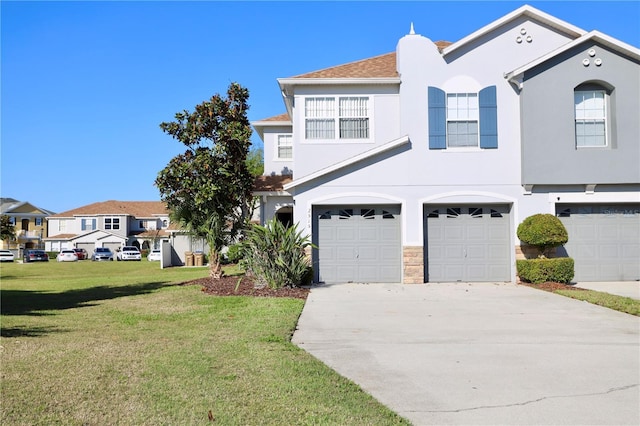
[
  {"x": 376, "y": 67},
  {"x": 113, "y": 207},
  {"x": 11, "y": 205},
  {"x": 271, "y": 183}
]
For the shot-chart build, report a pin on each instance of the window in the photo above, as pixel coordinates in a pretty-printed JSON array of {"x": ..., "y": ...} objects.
[
  {"x": 88, "y": 224},
  {"x": 111, "y": 223},
  {"x": 38, "y": 221},
  {"x": 12, "y": 220},
  {"x": 462, "y": 120},
  {"x": 591, "y": 118},
  {"x": 285, "y": 147},
  {"x": 352, "y": 116}
]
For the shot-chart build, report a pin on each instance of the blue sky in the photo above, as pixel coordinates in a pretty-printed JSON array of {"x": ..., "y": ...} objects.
[{"x": 85, "y": 85}]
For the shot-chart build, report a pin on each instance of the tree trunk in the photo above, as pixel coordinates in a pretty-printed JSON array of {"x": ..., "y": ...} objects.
[{"x": 215, "y": 268}]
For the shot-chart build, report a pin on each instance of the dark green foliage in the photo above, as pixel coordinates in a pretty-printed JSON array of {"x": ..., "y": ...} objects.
[
  {"x": 560, "y": 270},
  {"x": 7, "y": 230},
  {"x": 543, "y": 231},
  {"x": 234, "y": 253},
  {"x": 275, "y": 255},
  {"x": 208, "y": 188}
]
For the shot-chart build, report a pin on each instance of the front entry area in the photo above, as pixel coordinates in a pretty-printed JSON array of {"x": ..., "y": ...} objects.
[
  {"x": 357, "y": 244},
  {"x": 467, "y": 243}
]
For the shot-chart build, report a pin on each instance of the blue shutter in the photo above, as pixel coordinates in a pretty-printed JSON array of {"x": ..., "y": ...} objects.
[
  {"x": 93, "y": 224},
  {"x": 437, "y": 118},
  {"x": 84, "y": 224},
  {"x": 488, "y": 117}
]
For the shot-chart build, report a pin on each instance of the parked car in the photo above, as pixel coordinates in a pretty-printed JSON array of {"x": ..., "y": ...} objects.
[
  {"x": 154, "y": 256},
  {"x": 81, "y": 253},
  {"x": 102, "y": 253},
  {"x": 67, "y": 256},
  {"x": 129, "y": 253},
  {"x": 6, "y": 256},
  {"x": 35, "y": 256}
]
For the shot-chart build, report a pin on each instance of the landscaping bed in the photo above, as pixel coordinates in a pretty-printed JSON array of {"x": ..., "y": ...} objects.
[
  {"x": 552, "y": 286},
  {"x": 228, "y": 286}
]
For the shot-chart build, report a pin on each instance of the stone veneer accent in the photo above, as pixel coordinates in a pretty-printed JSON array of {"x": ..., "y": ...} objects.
[{"x": 413, "y": 264}]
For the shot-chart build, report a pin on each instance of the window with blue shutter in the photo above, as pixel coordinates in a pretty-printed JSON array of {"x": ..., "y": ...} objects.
[
  {"x": 437, "y": 118},
  {"x": 488, "y": 117}
]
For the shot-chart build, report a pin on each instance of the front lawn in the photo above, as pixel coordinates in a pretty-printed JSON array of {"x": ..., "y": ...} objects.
[{"x": 124, "y": 343}]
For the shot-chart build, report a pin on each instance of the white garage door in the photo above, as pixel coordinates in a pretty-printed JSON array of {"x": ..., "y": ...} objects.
[
  {"x": 467, "y": 243},
  {"x": 604, "y": 240},
  {"x": 357, "y": 244}
]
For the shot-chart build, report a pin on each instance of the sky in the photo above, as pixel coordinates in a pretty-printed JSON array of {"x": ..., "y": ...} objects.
[{"x": 85, "y": 84}]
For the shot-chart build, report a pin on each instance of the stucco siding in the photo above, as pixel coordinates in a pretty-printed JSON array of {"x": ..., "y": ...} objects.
[{"x": 549, "y": 148}]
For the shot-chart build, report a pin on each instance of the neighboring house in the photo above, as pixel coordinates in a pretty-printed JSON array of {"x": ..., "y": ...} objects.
[
  {"x": 29, "y": 223},
  {"x": 418, "y": 165},
  {"x": 113, "y": 224}
]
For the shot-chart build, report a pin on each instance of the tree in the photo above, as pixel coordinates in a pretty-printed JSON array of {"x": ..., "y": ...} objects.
[
  {"x": 208, "y": 188},
  {"x": 7, "y": 230},
  {"x": 255, "y": 161},
  {"x": 543, "y": 231}
]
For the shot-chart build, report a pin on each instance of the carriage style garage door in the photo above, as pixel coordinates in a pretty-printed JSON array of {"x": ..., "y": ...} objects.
[
  {"x": 357, "y": 244},
  {"x": 467, "y": 243},
  {"x": 604, "y": 240}
]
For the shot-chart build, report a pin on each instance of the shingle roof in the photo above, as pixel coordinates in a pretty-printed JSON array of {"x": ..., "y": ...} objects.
[
  {"x": 270, "y": 183},
  {"x": 376, "y": 67},
  {"x": 133, "y": 208},
  {"x": 280, "y": 117}
]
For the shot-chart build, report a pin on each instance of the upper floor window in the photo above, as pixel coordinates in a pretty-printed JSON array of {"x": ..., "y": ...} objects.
[
  {"x": 88, "y": 224},
  {"x": 463, "y": 120},
  {"x": 285, "y": 147},
  {"x": 111, "y": 223},
  {"x": 351, "y": 114},
  {"x": 12, "y": 220},
  {"x": 590, "y": 118},
  {"x": 38, "y": 221}
]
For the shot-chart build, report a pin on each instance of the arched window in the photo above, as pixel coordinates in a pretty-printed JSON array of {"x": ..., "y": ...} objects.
[{"x": 592, "y": 115}]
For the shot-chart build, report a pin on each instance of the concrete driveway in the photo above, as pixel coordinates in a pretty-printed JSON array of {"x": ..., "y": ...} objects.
[{"x": 478, "y": 354}]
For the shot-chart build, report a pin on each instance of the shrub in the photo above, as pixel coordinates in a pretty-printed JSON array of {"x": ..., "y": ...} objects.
[
  {"x": 544, "y": 270},
  {"x": 275, "y": 255},
  {"x": 543, "y": 231},
  {"x": 234, "y": 253}
]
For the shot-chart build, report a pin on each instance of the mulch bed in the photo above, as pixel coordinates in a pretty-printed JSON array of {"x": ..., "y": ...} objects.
[{"x": 228, "y": 286}]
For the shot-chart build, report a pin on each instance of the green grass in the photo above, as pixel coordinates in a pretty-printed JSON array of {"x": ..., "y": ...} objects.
[
  {"x": 122, "y": 343},
  {"x": 611, "y": 301}
]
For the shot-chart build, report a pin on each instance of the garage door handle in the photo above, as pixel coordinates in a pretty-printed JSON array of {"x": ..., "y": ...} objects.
[{"x": 465, "y": 253}]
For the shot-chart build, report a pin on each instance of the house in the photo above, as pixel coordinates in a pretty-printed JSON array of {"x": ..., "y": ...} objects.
[
  {"x": 418, "y": 165},
  {"x": 28, "y": 221},
  {"x": 110, "y": 224}
]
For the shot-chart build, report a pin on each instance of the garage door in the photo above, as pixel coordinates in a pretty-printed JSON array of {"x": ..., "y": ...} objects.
[
  {"x": 357, "y": 244},
  {"x": 604, "y": 240},
  {"x": 467, "y": 243}
]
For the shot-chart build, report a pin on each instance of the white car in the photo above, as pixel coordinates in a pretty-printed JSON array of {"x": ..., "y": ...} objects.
[
  {"x": 67, "y": 256},
  {"x": 154, "y": 256},
  {"x": 129, "y": 253},
  {"x": 6, "y": 256}
]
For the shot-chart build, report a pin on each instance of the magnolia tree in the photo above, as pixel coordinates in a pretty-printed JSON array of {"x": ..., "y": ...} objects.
[{"x": 208, "y": 188}]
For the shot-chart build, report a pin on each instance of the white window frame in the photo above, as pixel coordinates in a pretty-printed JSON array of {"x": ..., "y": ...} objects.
[
  {"x": 283, "y": 141},
  {"x": 459, "y": 113},
  {"x": 585, "y": 115},
  {"x": 326, "y": 117}
]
